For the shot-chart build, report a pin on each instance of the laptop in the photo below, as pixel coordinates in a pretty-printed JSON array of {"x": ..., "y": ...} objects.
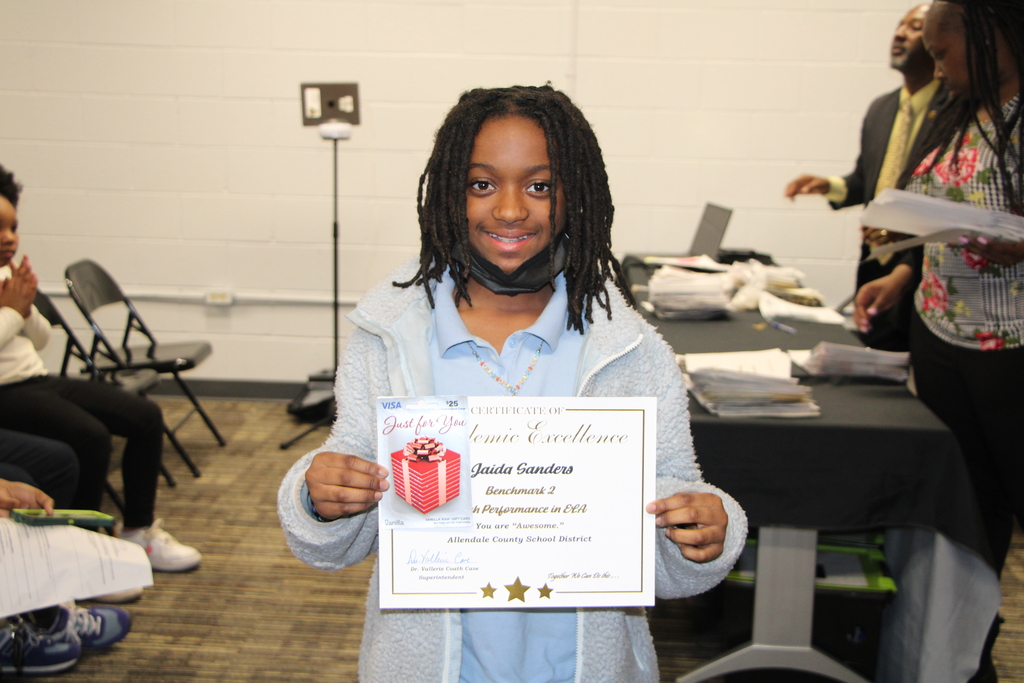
[
  {"x": 710, "y": 231},
  {"x": 707, "y": 240}
]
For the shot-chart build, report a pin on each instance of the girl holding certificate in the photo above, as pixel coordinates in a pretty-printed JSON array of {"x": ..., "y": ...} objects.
[{"x": 515, "y": 293}]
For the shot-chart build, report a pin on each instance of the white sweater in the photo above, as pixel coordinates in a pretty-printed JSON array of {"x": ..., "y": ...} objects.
[{"x": 20, "y": 339}]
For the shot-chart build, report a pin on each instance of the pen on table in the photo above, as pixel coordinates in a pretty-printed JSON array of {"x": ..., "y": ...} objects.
[{"x": 780, "y": 326}]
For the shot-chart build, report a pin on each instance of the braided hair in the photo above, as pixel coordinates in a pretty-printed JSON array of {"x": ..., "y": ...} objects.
[
  {"x": 577, "y": 165},
  {"x": 981, "y": 21}
]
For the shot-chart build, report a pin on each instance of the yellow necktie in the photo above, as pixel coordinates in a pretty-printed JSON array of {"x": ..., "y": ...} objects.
[{"x": 896, "y": 152}]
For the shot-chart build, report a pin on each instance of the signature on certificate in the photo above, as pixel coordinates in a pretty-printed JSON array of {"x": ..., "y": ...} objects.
[{"x": 436, "y": 557}]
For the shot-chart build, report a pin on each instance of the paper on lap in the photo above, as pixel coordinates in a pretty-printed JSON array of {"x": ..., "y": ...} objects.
[{"x": 48, "y": 565}]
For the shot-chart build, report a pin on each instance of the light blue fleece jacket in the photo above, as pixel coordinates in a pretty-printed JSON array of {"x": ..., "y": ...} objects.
[{"x": 388, "y": 354}]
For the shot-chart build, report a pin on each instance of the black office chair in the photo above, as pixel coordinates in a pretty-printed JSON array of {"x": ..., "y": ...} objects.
[
  {"x": 92, "y": 287},
  {"x": 132, "y": 381}
]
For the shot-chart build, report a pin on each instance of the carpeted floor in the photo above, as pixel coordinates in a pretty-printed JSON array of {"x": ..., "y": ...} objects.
[{"x": 252, "y": 612}]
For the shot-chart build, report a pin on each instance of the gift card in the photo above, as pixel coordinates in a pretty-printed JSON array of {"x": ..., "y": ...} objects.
[{"x": 424, "y": 443}]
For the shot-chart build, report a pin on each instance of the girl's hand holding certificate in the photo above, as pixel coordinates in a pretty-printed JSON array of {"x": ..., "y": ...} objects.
[{"x": 695, "y": 522}]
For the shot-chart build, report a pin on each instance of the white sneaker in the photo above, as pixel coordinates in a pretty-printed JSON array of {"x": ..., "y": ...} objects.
[{"x": 165, "y": 553}]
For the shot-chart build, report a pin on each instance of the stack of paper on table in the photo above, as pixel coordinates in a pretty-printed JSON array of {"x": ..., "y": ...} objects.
[
  {"x": 802, "y": 296},
  {"x": 678, "y": 294},
  {"x": 747, "y": 383},
  {"x": 753, "y": 277},
  {"x": 856, "y": 361},
  {"x": 727, "y": 393},
  {"x": 774, "y": 308},
  {"x": 781, "y": 279},
  {"x": 935, "y": 220}
]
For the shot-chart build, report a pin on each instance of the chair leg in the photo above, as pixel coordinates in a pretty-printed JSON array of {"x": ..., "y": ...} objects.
[
  {"x": 195, "y": 401},
  {"x": 173, "y": 438},
  {"x": 115, "y": 498},
  {"x": 168, "y": 477},
  {"x": 285, "y": 445}
]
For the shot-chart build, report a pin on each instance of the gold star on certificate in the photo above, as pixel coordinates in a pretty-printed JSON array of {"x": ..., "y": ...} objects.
[
  {"x": 517, "y": 591},
  {"x": 545, "y": 592},
  {"x": 488, "y": 591}
]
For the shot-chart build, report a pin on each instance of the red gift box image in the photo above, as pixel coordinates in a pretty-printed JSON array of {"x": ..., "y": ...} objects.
[{"x": 426, "y": 473}]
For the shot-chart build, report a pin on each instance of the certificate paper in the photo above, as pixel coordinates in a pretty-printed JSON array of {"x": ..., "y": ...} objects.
[{"x": 558, "y": 488}]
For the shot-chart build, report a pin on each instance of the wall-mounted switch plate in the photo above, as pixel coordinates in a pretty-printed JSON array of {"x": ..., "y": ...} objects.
[
  {"x": 219, "y": 298},
  {"x": 323, "y": 102}
]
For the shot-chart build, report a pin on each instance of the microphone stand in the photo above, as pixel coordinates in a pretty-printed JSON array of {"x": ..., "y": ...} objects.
[{"x": 333, "y": 131}]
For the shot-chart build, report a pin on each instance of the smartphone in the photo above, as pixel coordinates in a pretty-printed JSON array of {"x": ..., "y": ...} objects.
[{"x": 77, "y": 517}]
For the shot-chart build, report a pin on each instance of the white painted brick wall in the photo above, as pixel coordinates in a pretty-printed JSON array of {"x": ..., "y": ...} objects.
[{"x": 163, "y": 138}]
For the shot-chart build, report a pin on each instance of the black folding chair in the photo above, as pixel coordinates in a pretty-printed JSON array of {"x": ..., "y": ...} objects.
[
  {"x": 92, "y": 287},
  {"x": 132, "y": 381}
]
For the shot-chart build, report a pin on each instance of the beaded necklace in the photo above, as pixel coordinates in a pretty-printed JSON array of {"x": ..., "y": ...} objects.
[{"x": 512, "y": 389}]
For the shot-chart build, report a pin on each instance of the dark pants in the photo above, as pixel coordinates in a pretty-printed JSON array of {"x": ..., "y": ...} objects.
[
  {"x": 83, "y": 414},
  {"x": 49, "y": 465},
  {"x": 980, "y": 397}
]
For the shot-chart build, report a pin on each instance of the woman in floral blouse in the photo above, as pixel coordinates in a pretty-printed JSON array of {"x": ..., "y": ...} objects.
[
  {"x": 966, "y": 299},
  {"x": 965, "y": 341}
]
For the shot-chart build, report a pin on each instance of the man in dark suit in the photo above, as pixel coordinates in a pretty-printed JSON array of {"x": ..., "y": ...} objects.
[{"x": 892, "y": 124}]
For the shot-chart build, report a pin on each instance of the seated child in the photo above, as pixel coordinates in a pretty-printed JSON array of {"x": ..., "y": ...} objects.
[{"x": 81, "y": 414}]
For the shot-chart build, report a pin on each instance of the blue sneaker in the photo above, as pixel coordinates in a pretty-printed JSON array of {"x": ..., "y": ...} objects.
[
  {"x": 100, "y": 626},
  {"x": 25, "y": 649}
]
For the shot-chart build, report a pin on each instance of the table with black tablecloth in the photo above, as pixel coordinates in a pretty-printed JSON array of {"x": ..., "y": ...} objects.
[{"x": 875, "y": 458}]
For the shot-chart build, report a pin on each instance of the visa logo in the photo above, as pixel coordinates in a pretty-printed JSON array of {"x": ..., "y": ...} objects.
[{"x": 390, "y": 405}]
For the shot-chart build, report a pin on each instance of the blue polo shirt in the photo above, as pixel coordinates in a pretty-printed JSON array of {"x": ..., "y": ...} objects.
[{"x": 510, "y": 645}]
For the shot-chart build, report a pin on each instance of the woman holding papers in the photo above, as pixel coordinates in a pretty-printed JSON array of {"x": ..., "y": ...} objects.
[
  {"x": 515, "y": 279},
  {"x": 965, "y": 341}
]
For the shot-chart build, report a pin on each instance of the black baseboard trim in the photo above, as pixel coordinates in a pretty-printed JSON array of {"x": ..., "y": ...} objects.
[{"x": 228, "y": 388}]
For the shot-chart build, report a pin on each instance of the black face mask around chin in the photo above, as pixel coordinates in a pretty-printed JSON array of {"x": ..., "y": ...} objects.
[{"x": 529, "y": 277}]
